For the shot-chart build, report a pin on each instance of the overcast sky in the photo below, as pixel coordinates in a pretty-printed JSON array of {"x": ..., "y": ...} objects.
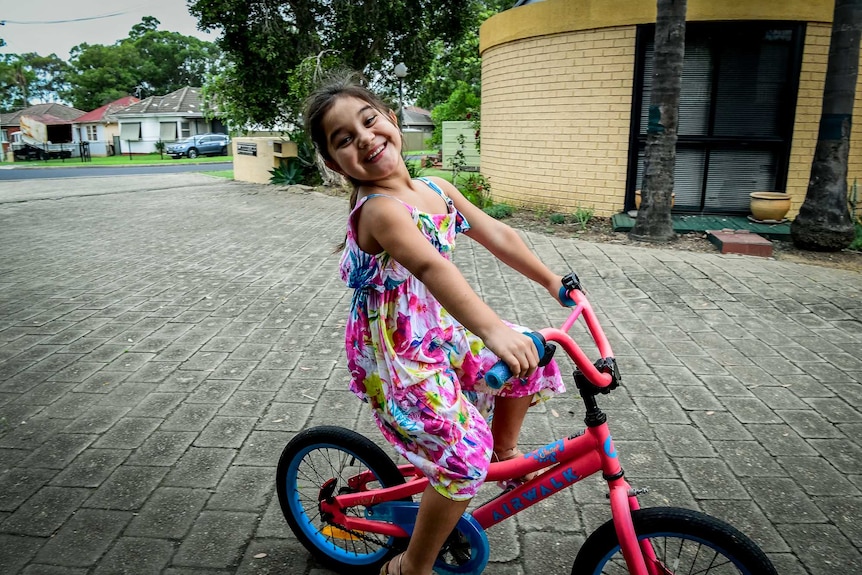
[{"x": 55, "y": 26}]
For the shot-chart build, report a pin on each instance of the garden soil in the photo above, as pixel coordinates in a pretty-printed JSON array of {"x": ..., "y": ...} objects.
[{"x": 600, "y": 230}]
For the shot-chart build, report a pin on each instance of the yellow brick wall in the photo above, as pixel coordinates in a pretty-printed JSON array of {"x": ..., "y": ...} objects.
[{"x": 555, "y": 117}]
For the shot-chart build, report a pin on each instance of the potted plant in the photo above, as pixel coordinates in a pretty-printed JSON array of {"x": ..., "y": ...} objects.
[{"x": 769, "y": 206}]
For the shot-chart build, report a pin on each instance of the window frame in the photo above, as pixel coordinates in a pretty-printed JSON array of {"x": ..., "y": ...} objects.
[
  {"x": 124, "y": 133},
  {"x": 780, "y": 145}
]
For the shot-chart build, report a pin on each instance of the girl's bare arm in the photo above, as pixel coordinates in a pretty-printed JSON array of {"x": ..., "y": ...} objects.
[
  {"x": 392, "y": 227},
  {"x": 503, "y": 241}
]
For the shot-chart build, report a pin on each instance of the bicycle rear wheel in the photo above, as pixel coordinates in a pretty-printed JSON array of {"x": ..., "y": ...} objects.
[
  {"x": 316, "y": 458},
  {"x": 684, "y": 541}
]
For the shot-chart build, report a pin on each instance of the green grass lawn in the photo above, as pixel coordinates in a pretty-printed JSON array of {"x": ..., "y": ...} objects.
[
  {"x": 227, "y": 174},
  {"x": 121, "y": 161}
]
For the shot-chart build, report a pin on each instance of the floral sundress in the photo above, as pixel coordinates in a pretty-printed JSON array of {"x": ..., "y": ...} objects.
[{"x": 421, "y": 370}]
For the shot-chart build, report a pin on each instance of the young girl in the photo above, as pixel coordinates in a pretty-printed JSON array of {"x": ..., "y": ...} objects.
[{"x": 419, "y": 339}]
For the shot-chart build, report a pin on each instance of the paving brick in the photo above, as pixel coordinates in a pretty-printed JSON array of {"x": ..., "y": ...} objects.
[
  {"x": 216, "y": 540},
  {"x": 200, "y": 467},
  {"x": 162, "y": 448},
  {"x": 136, "y": 556},
  {"x": 84, "y": 538},
  {"x": 45, "y": 512},
  {"x": 225, "y": 431},
  {"x": 90, "y": 468},
  {"x": 127, "y": 488},
  {"x": 59, "y": 451},
  {"x": 19, "y": 483},
  {"x": 243, "y": 489},
  {"x": 168, "y": 514}
]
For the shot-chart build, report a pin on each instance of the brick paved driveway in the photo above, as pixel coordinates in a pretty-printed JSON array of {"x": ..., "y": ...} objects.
[{"x": 161, "y": 338}]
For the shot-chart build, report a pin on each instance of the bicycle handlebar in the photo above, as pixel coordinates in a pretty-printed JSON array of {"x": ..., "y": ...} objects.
[{"x": 602, "y": 374}]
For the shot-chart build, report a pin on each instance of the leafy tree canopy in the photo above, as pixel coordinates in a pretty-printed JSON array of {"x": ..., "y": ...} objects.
[
  {"x": 462, "y": 103},
  {"x": 457, "y": 63},
  {"x": 28, "y": 77},
  {"x": 149, "y": 62},
  {"x": 265, "y": 42}
]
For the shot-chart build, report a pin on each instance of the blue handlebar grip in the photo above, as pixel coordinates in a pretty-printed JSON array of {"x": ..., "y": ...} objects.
[
  {"x": 500, "y": 373},
  {"x": 565, "y": 299}
]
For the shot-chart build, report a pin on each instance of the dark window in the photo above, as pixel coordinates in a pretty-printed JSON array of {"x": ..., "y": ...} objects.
[{"x": 737, "y": 107}]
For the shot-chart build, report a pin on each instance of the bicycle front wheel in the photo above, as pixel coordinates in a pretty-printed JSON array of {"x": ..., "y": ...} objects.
[
  {"x": 684, "y": 541},
  {"x": 328, "y": 457}
]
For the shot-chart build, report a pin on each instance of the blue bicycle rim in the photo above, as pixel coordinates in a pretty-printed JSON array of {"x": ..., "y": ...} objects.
[
  {"x": 305, "y": 523},
  {"x": 669, "y": 534}
]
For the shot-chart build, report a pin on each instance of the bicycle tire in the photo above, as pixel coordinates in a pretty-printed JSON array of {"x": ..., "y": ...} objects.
[
  {"x": 709, "y": 546},
  {"x": 313, "y": 457}
]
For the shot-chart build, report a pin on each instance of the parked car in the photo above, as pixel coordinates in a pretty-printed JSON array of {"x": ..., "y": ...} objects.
[{"x": 200, "y": 145}]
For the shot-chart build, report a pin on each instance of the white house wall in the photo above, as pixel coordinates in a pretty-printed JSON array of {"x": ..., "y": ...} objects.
[{"x": 151, "y": 132}]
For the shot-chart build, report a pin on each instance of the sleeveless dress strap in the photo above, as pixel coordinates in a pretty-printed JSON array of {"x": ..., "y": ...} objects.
[{"x": 435, "y": 187}]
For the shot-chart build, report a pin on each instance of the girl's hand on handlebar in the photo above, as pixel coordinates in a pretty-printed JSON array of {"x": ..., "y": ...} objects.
[{"x": 516, "y": 349}]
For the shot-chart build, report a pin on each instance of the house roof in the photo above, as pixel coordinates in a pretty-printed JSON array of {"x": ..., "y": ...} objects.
[
  {"x": 186, "y": 101},
  {"x": 414, "y": 116},
  {"x": 61, "y": 111},
  {"x": 102, "y": 114},
  {"x": 47, "y": 119}
]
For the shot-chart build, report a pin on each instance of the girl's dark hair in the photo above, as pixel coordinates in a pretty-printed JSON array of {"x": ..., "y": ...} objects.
[{"x": 338, "y": 85}]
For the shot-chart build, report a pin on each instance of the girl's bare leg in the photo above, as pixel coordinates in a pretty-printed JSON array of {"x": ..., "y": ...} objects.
[
  {"x": 509, "y": 414},
  {"x": 436, "y": 520}
]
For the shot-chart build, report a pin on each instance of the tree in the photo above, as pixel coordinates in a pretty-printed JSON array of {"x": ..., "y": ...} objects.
[
  {"x": 148, "y": 62},
  {"x": 263, "y": 40},
  {"x": 25, "y": 78},
  {"x": 824, "y": 222},
  {"x": 461, "y": 103},
  {"x": 654, "y": 221},
  {"x": 102, "y": 74},
  {"x": 454, "y": 64}
]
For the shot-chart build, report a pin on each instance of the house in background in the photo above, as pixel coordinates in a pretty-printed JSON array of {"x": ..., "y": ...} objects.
[
  {"x": 100, "y": 129},
  {"x": 565, "y": 99},
  {"x": 417, "y": 127},
  {"x": 58, "y": 116},
  {"x": 168, "y": 118}
]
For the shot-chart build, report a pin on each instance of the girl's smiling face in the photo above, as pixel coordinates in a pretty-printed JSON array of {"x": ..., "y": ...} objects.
[{"x": 363, "y": 142}]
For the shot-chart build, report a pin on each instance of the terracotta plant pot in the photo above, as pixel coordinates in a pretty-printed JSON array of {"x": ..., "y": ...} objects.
[
  {"x": 769, "y": 206},
  {"x": 638, "y": 199}
]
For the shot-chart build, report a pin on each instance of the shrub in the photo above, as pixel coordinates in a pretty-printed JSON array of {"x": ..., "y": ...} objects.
[
  {"x": 558, "y": 218},
  {"x": 499, "y": 211},
  {"x": 289, "y": 172},
  {"x": 477, "y": 189},
  {"x": 583, "y": 216},
  {"x": 413, "y": 167},
  {"x": 856, "y": 244}
]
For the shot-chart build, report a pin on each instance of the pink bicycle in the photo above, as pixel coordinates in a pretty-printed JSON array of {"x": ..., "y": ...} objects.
[{"x": 352, "y": 507}]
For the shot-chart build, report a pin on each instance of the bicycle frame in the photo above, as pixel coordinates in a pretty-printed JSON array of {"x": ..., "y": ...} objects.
[{"x": 566, "y": 461}]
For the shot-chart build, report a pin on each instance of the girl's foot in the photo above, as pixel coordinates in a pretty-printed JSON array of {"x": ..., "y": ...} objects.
[
  {"x": 389, "y": 568},
  {"x": 506, "y": 455}
]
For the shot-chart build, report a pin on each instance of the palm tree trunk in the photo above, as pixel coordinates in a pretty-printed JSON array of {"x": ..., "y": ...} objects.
[
  {"x": 654, "y": 222},
  {"x": 824, "y": 221}
]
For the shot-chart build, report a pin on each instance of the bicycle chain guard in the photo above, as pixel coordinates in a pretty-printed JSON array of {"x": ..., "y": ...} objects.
[{"x": 403, "y": 514}]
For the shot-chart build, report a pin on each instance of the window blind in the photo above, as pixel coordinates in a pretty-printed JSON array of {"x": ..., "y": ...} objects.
[
  {"x": 735, "y": 113},
  {"x": 167, "y": 131},
  {"x": 130, "y": 131}
]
